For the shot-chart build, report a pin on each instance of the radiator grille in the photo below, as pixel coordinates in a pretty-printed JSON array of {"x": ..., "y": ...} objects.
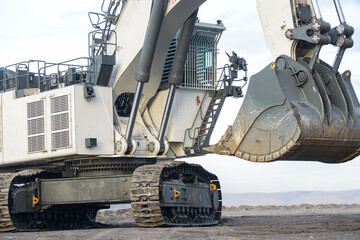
[
  {"x": 201, "y": 62},
  {"x": 60, "y": 104},
  {"x": 35, "y": 109},
  {"x": 36, "y": 143},
  {"x": 36, "y": 126},
  {"x": 200, "y": 66},
  {"x": 60, "y": 140},
  {"x": 169, "y": 60},
  {"x": 60, "y": 122}
]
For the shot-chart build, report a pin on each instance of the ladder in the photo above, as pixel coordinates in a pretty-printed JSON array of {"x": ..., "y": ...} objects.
[
  {"x": 200, "y": 136},
  {"x": 208, "y": 124}
]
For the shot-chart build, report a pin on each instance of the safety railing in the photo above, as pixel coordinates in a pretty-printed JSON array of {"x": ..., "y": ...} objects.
[
  {"x": 100, "y": 42},
  {"x": 100, "y": 45},
  {"x": 45, "y": 76}
]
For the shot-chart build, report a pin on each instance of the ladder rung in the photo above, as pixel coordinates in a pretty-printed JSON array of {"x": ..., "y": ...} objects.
[
  {"x": 204, "y": 129},
  {"x": 221, "y": 90},
  {"x": 202, "y": 135},
  {"x": 200, "y": 141},
  {"x": 214, "y": 104},
  {"x": 208, "y": 117},
  {"x": 217, "y": 98},
  {"x": 205, "y": 123},
  {"x": 214, "y": 110}
]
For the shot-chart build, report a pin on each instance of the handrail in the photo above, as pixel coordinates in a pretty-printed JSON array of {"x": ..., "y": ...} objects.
[
  {"x": 103, "y": 26},
  {"x": 37, "y": 70},
  {"x": 219, "y": 86},
  {"x": 95, "y": 49}
]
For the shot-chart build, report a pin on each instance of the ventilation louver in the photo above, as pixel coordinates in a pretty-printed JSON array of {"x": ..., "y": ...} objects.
[
  {"x": 60, "y": 122},
  {"x": 200, "y": 67},
  {"x": 36, "y": 126}
]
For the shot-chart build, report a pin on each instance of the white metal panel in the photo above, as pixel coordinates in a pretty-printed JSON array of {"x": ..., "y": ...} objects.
[
  {"x": 94, "y": 119},
  {"x": 16, "y": 130},
  {"x": 130, "y": 30},
  {"x": 183, "y": 113},
  {"x": 86, "y": 119},
  {"x": 276, "y": 17}
]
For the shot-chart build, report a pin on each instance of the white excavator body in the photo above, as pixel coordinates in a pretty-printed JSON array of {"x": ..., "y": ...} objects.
[{"x": 79, "y": 135}]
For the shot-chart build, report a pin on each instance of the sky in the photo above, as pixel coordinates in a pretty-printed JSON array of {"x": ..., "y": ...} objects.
[{"x": 56, "y": 31}]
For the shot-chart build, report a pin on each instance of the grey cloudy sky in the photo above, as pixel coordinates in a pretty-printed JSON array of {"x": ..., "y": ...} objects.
[{"x": 57, "y": 30}]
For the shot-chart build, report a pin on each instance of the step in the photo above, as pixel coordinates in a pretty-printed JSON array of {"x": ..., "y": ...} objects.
[
  {"x": 216, "y": 104},
  {"x": 214, "y": 110}
]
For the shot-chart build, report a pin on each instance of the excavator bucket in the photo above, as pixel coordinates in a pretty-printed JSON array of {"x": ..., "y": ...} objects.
[{"x": 292, "y": 113}]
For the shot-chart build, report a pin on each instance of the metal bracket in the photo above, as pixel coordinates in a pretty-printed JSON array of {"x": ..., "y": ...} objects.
[{"x": 315, "y": 33}]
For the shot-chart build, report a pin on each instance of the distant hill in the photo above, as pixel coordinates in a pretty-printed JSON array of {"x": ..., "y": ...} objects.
[{"x": 291, "y": 198}]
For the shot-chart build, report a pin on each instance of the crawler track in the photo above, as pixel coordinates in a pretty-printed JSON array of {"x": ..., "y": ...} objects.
[
  {"x": 146, "y": 201},
  {"x": 56, "y": 217},
  {"x": 5, "y": 221},
  {"x": 6, "y": 224}
]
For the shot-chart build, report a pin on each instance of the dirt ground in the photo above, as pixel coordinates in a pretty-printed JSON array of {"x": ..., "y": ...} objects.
[{"x": 310, "y": 222}]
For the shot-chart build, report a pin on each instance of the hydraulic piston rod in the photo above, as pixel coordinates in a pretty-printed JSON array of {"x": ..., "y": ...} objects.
[
  {"x": 176, "y": 74},
  {"x": 316, "y": 7},
  {"x": 339, "y": 12},
  {"x": 167, "y": 111},
  {"x": 146, "y": 59},
  {"x": 130, "y": 127}
]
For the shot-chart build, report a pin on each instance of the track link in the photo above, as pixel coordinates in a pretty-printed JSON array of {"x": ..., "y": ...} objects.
[{"x": 146, "y": 202}]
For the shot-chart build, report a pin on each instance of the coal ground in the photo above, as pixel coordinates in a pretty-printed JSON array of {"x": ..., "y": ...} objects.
[{"x": 244, "y": 222}]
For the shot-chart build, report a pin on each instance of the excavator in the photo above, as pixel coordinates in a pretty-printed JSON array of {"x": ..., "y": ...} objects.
[{"x": 80, "y": 135}]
